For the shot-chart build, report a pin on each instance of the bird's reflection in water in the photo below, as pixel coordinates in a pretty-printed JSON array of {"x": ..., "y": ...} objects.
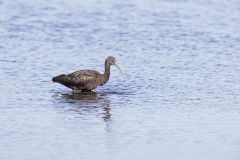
[{"x": 87, "y": 102}]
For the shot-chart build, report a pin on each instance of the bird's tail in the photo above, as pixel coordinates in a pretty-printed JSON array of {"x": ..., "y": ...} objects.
[{"x": 58, "y": 78}]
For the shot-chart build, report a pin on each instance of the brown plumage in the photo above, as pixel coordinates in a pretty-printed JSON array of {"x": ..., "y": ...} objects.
[{"x": 87, "y": 80}]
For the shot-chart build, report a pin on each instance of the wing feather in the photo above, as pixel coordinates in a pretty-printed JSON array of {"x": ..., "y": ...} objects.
[{"x": 81, "y": 77}]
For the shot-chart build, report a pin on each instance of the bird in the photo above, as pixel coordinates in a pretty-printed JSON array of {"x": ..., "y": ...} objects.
[{"x": 87, "y": 80}]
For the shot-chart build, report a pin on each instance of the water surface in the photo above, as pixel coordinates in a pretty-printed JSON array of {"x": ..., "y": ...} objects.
[{"x": 181, "y": 101}]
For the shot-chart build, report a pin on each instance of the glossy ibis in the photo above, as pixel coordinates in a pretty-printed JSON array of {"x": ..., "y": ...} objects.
[{"x": 87, "y": 80}]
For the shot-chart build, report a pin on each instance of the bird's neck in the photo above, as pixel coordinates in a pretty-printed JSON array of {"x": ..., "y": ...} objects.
[{"x": 106, "y": 74}]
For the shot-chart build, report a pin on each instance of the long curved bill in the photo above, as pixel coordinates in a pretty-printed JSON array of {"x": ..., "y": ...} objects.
[{"x": 121, "y": 72}]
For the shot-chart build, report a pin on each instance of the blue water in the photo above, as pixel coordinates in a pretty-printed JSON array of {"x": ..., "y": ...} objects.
[{"x": 181, "y": 101}]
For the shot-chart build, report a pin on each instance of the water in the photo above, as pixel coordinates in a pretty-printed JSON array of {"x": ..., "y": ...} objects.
[{"x": 181, "y": 101}]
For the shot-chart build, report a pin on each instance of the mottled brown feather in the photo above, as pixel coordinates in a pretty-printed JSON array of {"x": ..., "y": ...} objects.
[
  {"x": 82, "y": 77},
  {"x": 79, "y": 80}
]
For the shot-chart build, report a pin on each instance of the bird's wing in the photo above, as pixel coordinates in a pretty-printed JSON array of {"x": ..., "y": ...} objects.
[{"x": 81, "y": 77}]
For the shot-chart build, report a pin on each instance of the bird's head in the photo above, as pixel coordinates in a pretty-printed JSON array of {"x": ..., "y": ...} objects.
[{"x": 112, "y": 61}]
